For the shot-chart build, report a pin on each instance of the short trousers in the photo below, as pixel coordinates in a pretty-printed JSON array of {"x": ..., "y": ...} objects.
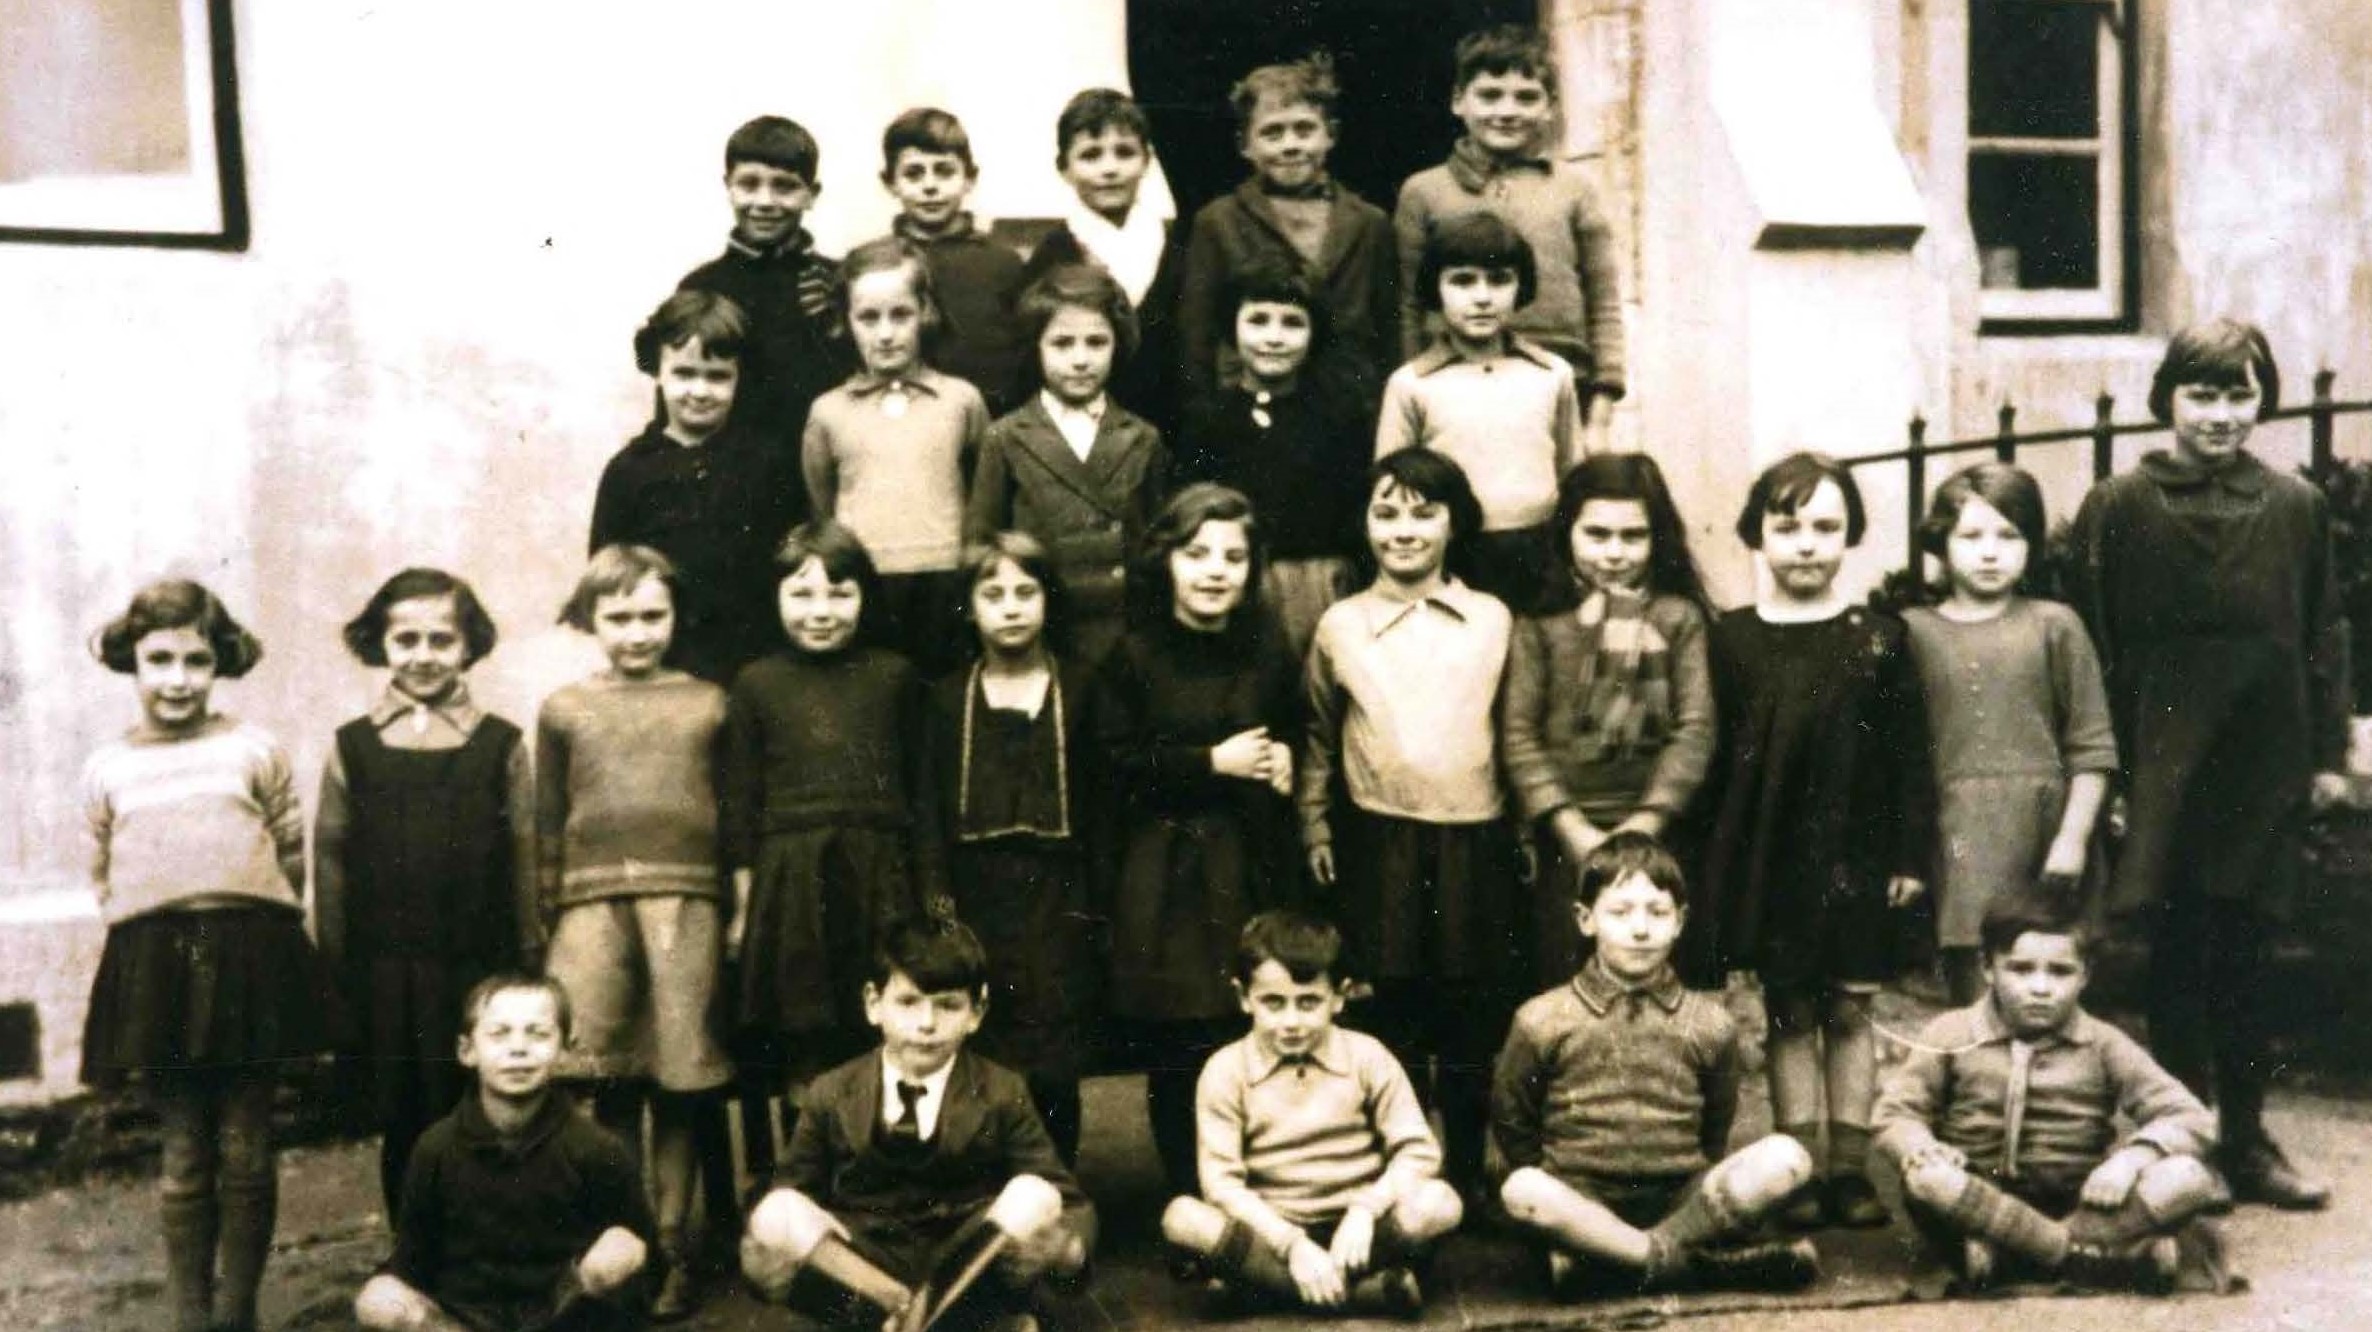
[
  {"x": 1640, "y": 1200},
  {"x": 641, "y": 975}
]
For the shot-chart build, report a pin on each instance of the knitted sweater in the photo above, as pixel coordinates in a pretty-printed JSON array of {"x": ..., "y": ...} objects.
[
  {"x": 175, "y": 819},
  {"x": 625, "y": 789},
  {"x": 889, "y": 462}
]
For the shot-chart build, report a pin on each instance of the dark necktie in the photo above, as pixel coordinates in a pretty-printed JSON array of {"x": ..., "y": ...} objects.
[{"x": 907, "y": 1127}]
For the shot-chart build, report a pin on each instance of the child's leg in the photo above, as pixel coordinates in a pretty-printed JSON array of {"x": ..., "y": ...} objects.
[
  {"x": 386, "y": 1304},
  {"x": 788, "y": 1234},
  {"x": 1058, "y": 1107},
  {"x": 2169, "y": 1193},
  {"x": 1960, "y": 1202},
  {"x": 1849, "y": 1056},
  {"x": 249, "y": 1184},
  {"x": 1227, "y": 1247},
  {"x": 1795, "y": 1064},
  {"x": 1418, "y": 1219},
  {"x": 189, "y": 1110},
  {"x": 1964, "y": 975}
]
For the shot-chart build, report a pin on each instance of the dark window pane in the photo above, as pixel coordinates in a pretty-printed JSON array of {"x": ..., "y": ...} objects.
[
  {"x": 2037, "y": 220},
  {"x": 2033, "y": 69}
]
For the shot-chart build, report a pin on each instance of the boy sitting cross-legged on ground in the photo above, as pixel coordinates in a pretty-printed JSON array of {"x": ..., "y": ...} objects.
[
  {"x": 903, "y": 1154},
  {"x": 2004, "y": 1122},
  {"x": 1613, "y": 1100},
  {"x": 1320, "y": 1177},
  {"x": 517, "y": 1211}
]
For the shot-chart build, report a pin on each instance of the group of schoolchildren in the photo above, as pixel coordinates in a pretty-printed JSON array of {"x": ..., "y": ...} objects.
[{"x": 992, "y": 709}]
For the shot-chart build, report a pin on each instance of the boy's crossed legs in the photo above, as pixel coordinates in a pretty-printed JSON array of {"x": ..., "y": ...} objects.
[
  {"x": 2128, "y": 1244},
  {"x": 1403, "y": 1238},
  {"x": 1724, "y": 1203},
  {"x": 795, "y": 1251},
  {"x": 592, "y": 1297}
]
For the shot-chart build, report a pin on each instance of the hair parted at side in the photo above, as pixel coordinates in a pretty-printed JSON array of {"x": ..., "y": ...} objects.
[
  {"x": 2009, "y": 488},
  {"x": 891, "y": 254},
  {"x": 841, "y": 552},
  {"x": 614, "y": 571},
  {"x": 473, "y": 1004},
  {"x": 1476, "y": 238},
  {"x": 1094, "y": 110},
  {"x": 1508, "y": 48},
  {"x": 178, "y": 603},
  {"x": 2031, "y": 909},
  {"x": 1623, "y": 855},
  {"x": 1309, "y": 80},
  {"x": 926, "y": 129},
  {"x": 1080, "y": 287},
  {"x": 2223, "y": 353},
  {"x": 1671, "y": 569},
  {"x": 1308, "y": 947},
  {"x": 774, "y": 141},
  {"x": 937, "y": 953},
  {"x": 1150, "y": 590},
  {"x": 1434, "y": 476},
  {"x": 715, "y": 322},
  {"x": 366, "y": 634},
  {"x": 1030, "y": 556},
  {"x": 1785, "y": 485}
]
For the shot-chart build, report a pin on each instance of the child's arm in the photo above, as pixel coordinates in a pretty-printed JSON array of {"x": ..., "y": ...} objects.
[
  {"x": 518, "y": 795},
  {"x": 1601, "y": 281},
  {"x": 2087, "y": 743},
  {"x": 1680, "y": 769},
  {"x": 1141, "y": 758},
  {"x": 419, "y": 1257},
  {"x": 1532, "y": 774},
  {"x": 98, "y": 821},
  {"x": 332, "y": 815},
  {"x": 809, "y": 1161},
  {"x": 1902, "y": 725},
  {"x": 1400, "y": 424},
  {"x": 1717, "y": 1083},
  {"x": 1519, "y": 1092},
  {"x": 1411, "y": 1154},
  {"x": 988, "y": 509},
  {"x": 1564, "y": 425},
  {"x": 612, "y": 520},
  {"x": 2164, "y": 1113},
  {"x": 1321, "y": 745},
  {"x": 2326, "y": 641},
  {"x": 1912, "y": 1096},
  {"x": 819, "y": 465},
  {"x": 1412, "y": 220},
  {"x": 1202, "y": 291},
  {"x": 1382, "y": 253},
  {"x": 741, "y": 799},
  {"x": 284, "y": 815},
  {"x": 551, "y": 814},
  {"x": 1219, "y": 1130}
]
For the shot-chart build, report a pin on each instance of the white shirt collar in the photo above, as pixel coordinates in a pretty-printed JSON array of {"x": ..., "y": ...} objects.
[
  {"x": 1077, "y": 424},
  {"x": 934, "y": 1095}
]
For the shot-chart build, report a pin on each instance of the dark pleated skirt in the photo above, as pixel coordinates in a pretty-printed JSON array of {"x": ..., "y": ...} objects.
[
  {"x": 1026, "y": 898},
  {"x": 228, "y": 989},
  {"x": 819, "y": 900},
  {"x": 1430, "y": 901}
]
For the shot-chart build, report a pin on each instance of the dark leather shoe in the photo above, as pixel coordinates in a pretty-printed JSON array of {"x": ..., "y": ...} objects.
[
  {"x": 1853, "y": 1203},
  {"x": 1774, "y": 1265},
  {"x": 1805, "y": 1209},
  {"x": 2259, "y": 1173}
]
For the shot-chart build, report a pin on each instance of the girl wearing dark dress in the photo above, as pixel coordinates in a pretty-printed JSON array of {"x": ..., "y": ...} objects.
[
  {"x": 825, "y": 810},
  {"x": 1821, "y": 814},
  {"x": 423, "y": 852},
  {"x": 207, "y": 988},
  {"x": 1198, "y": 715},
  {"x": 2209, "y": 585},
  {"x": 1022, "y": 814}
]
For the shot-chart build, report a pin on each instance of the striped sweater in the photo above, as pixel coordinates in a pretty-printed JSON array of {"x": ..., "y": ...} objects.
[{"x": 177, "y": 818}]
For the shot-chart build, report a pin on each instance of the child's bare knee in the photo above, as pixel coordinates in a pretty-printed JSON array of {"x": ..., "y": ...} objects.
[
  {"x": 613, "y": 1260},
  {"x": 1762, "y": 1172},
  {"x": 1531, "y": 1195},
  {"x": 1193, "y": 1225},
  {"x": 386, "y": 1304},
  {"x": 1845, "y": 1011},
  {"x": 2177, "y": 1188},
  {"x": 1791, "y": 1012},
  {"x": 784, "y": 1229},
  {"x": 1935, "y": 1184},
  {"x": 1428, "y": 1211}
]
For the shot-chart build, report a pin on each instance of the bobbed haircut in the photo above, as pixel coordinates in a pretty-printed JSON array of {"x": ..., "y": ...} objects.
[
  {"x": 614, "y": 571},
  {"x": 774, "y": 141},
  {"x": 1307, "y": 80},
  {"x": 1671, "y": 570},
  {"x": 2009, "y": 488},
  {"x": 1029, "y": 555},
  {"x": 1623, "y": 855},
  {"x": 1434, "y": 476},
  {"x": 937, "y": 953},
  {"x": 1275, "y": 279},
  {"x": 926, "y": 129},
  {"x": 836, "y": 548},
  {"x": 1509, "y": 48},
  {"x": 2031, "y": 910},
  {"x": 1475, "y": 239},
  {"x": 177, "y": 603},
  {"x": 2224, "y": 353},
  {"x": 1786, "y": 484},
  {"x": 473, "y": 1004},
  {"x": 1308, "y": 947},
  {"x": 886, "y": 255},
  {"x": 366, "y": 634},
  {"x": 1149, "y": 585},
  {"x": 1080, "y": 287},
  {"x": 715, "y": 322},
  {"x": 1093, "y": 111}
]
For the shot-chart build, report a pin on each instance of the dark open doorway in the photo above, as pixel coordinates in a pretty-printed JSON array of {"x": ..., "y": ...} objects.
[{"x": 1392, "y": 56}]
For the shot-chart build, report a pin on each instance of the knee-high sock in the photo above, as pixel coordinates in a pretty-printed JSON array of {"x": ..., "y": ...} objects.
[
  {"x": 191, "y": 1223},
  {"x": 249, "y": 1187},
  {"x": 1987, "y": 1212}
]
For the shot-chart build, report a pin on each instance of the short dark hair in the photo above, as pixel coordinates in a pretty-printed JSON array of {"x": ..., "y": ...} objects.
[
  {"x": 177, "y": 603},
  {"x": 1274, "y": 278},
  {"x": 366, "y": 634},
  {"x": 1509, "y": 48},
  {"x": 1785, "y": 485},
  {"x": 2220, "y": 352},
  {"x": 715, "y": 322},
  {"x": 1309, "y": 79},
  {"x": 777, "y": 142},
  {"x": 1622, "y": 855},
  {"x": 1438, "y": 477},
  {"x": 844, "y": 559},
  {"x": 1308, "y": 947},
  {"x": 1150, "y": 591},
  {"x": 1079, "y": 286},
  {"x": 2009, "y": 488},
  {"x": 1029, "y": 555},
  {"x": 1094, "y": 111},
  {"x": 1476, "y": 238},
  {"x": 926, "y": 129},
  {"x": 615, "y": 571},
  {"x": 937, "y": 953},
  {"x": 1671, "y": 569},
  {"x": 473, "y": 1004},
  {"x": 2035, "y": 909}
]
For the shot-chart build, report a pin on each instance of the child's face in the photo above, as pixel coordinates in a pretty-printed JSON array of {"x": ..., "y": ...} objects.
[
  {"x": 1505, "y": 114},
  {"x": 1209, "y": 573},
  {"x": 885, "y": 318},
  {"x": 1104, "y": 167},
  {"x": 930, "y": 187},
  {"x": 1409, "y": 532},
  {"x": 1611, "y": 542},
  {"x": 819, "y": 612},
  {"x": 1289, "y": 1017},
  {"x": 1634, "y": 924},
  {"x": 426, "y": 652},
  {"x": 1287, "y": 143},
  {"x": 514, "y": 1043},
  {"x": 2212, "y": 421},
  {"x": 696, "y": 389},
  {"x": 1075, "y": 354},
  {"x": 1009, "y": 609},
  {"x": 768, "y": 202},
  {"x": 921, "y": 1031},
  {"x": 1272, "y": 338},
  {"x": 2037, "y": 983},
  {"x": 174, "y": 671},
  {"x": 1985, "y": 553},
  {"x": 1475, "y": 302},
  {"x": 634, "y": 627},
  {"x": 1804, "y": 549}
]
